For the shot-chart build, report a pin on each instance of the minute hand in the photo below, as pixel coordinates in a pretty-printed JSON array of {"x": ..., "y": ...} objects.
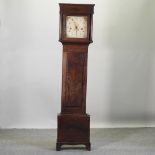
[{"x": 76, "y": 26}]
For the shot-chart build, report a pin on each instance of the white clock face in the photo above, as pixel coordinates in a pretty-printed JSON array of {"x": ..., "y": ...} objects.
[{"x": 76, "y": 26}]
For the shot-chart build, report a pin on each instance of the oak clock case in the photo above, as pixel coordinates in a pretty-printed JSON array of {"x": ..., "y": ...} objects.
[{"x": 75, "y": 36}]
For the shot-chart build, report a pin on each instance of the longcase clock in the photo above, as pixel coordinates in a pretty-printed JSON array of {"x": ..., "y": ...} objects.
[{"x": 75, "y": 35}]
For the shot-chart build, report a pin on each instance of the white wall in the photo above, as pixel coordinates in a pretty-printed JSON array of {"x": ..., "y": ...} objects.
[{"x": 121, "y": 64}]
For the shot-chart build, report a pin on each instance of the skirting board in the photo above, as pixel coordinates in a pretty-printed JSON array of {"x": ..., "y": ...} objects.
[
  {"x": 123, "y": 125},
  {"x": 92, "y": 125}
]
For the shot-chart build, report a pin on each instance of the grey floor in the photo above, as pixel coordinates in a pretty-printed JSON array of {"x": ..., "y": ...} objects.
[{"x": 137, "y": 141}]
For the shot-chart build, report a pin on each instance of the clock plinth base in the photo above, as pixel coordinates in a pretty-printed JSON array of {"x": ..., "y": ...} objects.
[
  {"x": 59, "y": 144},
  {"x": 73, "y": 129}
]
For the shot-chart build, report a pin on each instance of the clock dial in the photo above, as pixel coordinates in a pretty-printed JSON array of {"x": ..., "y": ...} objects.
[{"x": 76, "y": 26}]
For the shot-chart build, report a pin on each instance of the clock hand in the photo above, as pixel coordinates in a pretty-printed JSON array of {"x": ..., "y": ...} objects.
[{"x": 76, "y": 26}]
